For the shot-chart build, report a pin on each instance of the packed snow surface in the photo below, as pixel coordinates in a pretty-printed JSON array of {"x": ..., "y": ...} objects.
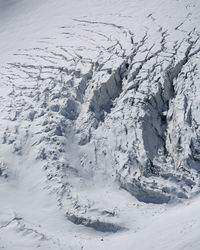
[{"x": 99, "y": 124}]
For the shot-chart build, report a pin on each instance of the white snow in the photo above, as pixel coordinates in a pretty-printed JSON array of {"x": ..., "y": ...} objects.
[{"x": 74, "y": 78}]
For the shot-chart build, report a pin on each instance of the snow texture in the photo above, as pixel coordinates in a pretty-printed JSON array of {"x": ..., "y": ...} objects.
[{"x": 99, "y": 124}]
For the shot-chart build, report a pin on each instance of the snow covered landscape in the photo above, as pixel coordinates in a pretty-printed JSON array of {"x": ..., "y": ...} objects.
[{"x": 100, "y": 124}]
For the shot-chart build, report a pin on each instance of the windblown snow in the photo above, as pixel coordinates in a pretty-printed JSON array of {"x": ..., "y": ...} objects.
[{"x": 99, "y": 124}]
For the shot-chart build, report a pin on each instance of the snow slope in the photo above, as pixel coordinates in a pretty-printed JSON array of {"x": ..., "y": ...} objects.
[{"x": 99, "y": 128}]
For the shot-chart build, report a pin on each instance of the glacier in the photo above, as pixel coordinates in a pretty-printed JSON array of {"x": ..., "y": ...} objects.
[{"x": 99, "y": 128}]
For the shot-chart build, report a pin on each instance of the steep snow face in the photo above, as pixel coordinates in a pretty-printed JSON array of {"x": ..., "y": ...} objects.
[{"x": 93, "y": 99}]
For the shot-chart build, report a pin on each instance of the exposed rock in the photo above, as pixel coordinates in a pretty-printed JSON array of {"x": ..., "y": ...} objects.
[{"x": 96, "y": 224}]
